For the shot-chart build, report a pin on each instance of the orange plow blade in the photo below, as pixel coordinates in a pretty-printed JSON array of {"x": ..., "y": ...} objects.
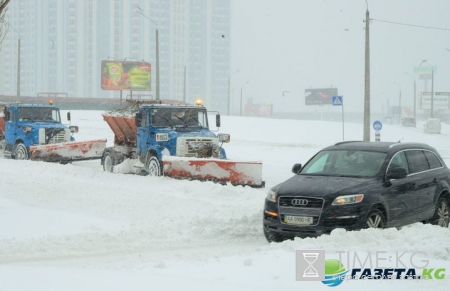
[
  {"x": 221, "y": 171},
  {"x": 68, "y": 151}
]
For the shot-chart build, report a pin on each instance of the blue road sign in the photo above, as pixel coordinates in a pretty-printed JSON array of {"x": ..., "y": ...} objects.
[
  {"x": 337, "y": 100},
  {"x": 377, "y": 125}
]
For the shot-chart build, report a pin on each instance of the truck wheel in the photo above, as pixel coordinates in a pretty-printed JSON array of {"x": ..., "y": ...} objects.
[
  {"x": 153, "y": 166},
  {"x": 20, "y": 152},
  {"x": 108, "y": 162}
]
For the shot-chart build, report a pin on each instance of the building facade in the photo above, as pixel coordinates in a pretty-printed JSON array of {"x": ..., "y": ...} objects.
[{"x": 62, "y": 44}]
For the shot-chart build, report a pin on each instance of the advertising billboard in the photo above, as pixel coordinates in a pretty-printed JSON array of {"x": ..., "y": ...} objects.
[
  {"x": 320, "y": 96},
  {"x": 119, "y": 75},
  {"x": 261, "y": 110},
  {"x": 441, "y": 100}
]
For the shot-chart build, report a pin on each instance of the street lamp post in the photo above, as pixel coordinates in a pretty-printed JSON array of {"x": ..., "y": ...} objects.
[
  {"x": 229, "y": 88},
  {"x": 366, "y": 132},
  {"x": 184, "y": 88},
  {"x": 240, "y": 112},
  {"x": 140, "y": 11},
  {"x": 415, "y": 96},
  {"x": 432, "y": 86},
  {"x": 399, "y": 102}
]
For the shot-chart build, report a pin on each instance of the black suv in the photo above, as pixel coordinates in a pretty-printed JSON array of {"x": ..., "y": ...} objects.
[{"x": 355, "y": 185}]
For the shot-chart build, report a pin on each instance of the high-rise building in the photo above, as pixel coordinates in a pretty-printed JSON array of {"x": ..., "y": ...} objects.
[{"x": 64, "y": 41}]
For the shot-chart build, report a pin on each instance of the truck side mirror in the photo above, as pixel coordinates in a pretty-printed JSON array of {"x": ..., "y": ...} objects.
[
  {"x": 217, "y": 120},
  {"x": 138, "y": 119},
  {"x": 7, "y": 115},
  {"x": 68, "y": 116}
]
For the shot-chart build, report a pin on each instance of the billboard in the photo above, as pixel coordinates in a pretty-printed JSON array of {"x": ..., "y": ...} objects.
[
  {"x": 261, "y": 110},
  {"x": 320, "y": 96},
  {"x": 119, "y": 75},
  {"x": 441, "y": 101}
]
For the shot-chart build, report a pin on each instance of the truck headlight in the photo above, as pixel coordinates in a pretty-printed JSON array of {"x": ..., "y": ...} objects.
[
  {"x": 272, "y": 196},
  {"x": 73, "y": 129},
  {"x": 348, "y": 199},
  {"x": 223, "y": 137}
]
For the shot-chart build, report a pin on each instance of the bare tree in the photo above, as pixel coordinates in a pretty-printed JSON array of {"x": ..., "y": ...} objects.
[{"x": 3, "y": 24}]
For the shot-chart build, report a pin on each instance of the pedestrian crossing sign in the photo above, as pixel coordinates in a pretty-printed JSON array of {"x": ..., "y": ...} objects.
[{"x": 337, "y": 101}]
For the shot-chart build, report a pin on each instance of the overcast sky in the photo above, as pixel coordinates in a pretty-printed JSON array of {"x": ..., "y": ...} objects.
[{"x": 291, "y": 45}]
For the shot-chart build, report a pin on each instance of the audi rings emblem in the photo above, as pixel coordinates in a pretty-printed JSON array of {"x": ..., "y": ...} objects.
[{"x": 299, "y": 202}]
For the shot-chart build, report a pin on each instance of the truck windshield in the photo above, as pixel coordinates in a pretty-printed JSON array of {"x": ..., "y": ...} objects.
[
  {"x": 35, "y": 114},
  {"x": 179, "y": 117}
]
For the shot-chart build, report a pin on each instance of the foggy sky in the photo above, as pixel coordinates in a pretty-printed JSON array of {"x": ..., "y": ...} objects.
[{"x": 291, "y": 45}]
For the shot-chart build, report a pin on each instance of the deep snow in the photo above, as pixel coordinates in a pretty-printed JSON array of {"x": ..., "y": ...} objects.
[{"x": 75, "y": 227}]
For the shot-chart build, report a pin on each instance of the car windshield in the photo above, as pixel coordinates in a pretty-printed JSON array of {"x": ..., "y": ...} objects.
[
  {"x": 342, "y": 163},
  {"x": 34, "y": 114},
  {"x": 179, "y": 117}
]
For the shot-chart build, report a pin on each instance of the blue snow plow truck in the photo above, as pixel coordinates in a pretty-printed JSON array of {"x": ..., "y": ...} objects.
[{"x": 35, "y": 132}]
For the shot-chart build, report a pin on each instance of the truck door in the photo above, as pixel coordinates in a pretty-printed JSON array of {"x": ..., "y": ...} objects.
[
  {"x": 143, "y": 135},
  {"x": 10, "y": 126}
]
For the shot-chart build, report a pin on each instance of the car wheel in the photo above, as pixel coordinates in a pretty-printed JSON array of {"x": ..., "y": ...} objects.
[
  {"x": 20, "y": 152},
  {"x": 272, "y": 236},
  {"x": 108, "y": 162},
  {"x": 441, "y": 215},
  {"x": 153, "y": 166},
  {"x": 375, "y": 219}
]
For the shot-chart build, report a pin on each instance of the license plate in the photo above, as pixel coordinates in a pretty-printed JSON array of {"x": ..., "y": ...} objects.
[{"x": 302, "y": 220}]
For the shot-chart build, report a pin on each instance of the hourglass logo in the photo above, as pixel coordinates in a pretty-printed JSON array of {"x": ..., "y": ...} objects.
[{"x": 310, "y": 265}]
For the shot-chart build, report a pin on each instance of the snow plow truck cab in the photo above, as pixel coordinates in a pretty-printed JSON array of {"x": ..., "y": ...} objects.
[{"x": 157, "y": 139}]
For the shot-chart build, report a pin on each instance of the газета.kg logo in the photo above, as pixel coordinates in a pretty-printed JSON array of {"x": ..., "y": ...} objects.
[{"x": 334, "y": 273}]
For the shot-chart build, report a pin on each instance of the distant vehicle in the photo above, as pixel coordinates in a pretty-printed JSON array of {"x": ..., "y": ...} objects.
[
  {"x": 35, "y": 131},
  {"x": 356, "y": 185},
  {"x": 409, "y": 121},
  {"x": 433, "y": 125}
]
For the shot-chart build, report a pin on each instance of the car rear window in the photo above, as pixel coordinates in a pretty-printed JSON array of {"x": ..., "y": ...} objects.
[
  {"x": 417, "y": 161},
  {"x": 433, "y": 160}
]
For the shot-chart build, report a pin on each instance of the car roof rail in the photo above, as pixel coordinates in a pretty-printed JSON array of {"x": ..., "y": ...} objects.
[
  {"x": 407, "y": 143},
  {"x": 349, "y": 141}
]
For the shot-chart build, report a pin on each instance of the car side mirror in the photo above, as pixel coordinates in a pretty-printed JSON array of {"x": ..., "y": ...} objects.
[
  {"x": 396, "y": 173},
  {"x": 138, "y": 119},
  {"x": 296, "y": 168},
  {"x": 217, "y": 120},
  {"x": 68, "y": 116}
]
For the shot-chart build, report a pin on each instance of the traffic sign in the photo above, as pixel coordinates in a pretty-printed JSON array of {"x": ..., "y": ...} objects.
[
  {"x": 377, "y": 125},
  {"x": 337, "y": 101}
]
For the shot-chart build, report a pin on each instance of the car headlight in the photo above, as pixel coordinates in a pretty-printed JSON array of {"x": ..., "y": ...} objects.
[
  {"x": 272, "y": 196},
  {"x": 348, "y": 199}
]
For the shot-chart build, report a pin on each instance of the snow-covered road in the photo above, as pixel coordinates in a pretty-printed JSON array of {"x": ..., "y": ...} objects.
[{"x": 75, "y": 227}]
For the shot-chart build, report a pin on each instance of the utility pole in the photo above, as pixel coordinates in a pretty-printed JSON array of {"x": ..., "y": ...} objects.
[
  {"x": 432, "y": 93},
  {"x": 367, "y": 82}
]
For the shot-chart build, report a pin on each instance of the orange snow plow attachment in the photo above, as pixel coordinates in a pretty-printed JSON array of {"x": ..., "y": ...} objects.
[
  {"x": 68, "y": 151},
  {"x": 220, "y": 171}
]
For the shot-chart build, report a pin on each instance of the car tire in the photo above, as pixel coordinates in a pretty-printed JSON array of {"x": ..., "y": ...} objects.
[
  {"x": 108, "y": 162},
  {"x": 272, "y": 236},
  {"x": 441, "y": 214},
  {"x": 20, "y": 152},
  {"x": 153, "y": 166},
  {"x": 375, "y": 219}
]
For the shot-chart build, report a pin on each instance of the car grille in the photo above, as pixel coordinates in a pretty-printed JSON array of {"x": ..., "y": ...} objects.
[{"x": 301, "y": 206}]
